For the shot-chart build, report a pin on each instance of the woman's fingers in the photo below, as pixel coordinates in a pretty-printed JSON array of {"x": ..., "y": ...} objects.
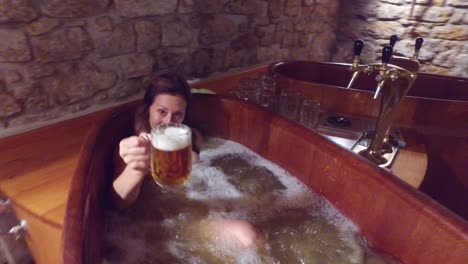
[
  {"x": 130, "y": 158},
  {"x": 133, "y": 146},
  {"x": 141, "y": 165},
  {"x": 145, "y": 135}
]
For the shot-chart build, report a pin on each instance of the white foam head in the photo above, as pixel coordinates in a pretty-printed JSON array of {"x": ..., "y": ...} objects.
[{"x": 171, "y": 138}]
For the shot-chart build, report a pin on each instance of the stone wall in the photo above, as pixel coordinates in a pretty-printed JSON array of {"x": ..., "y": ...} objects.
[
  {"x": 442, "y": 24},
  {"x": 62, "y": 58}
]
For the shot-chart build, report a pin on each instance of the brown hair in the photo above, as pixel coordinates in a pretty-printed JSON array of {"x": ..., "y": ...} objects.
[{"x": 166, "y": 83}]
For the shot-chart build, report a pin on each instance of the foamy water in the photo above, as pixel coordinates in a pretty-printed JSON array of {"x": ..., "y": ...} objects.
[{"x": 294, "y": 224}]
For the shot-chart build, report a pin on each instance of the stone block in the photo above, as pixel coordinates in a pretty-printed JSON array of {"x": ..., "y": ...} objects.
[
  {"x": 62, "y": 45},
  {"x": 202, "y": 62},
  {"x": 8, "y": 105},
  {"x": 208, "y": 6},
  {"x": 437, "y": 14},
  {"x": 239, "y": 58},
  {"x": 36, "y": 102},
  {"x": 103, "y": 23},
  {"x": 172, "y": 59},
  {"x": 394, "y": 2},
  {"x": 122, "y": 40},
  {"x": 176, "y": 34},
  {"x": 186, "y": 6},
  {"x": 434, "y": 69},
  {"x": 125, "y": 89},
  {"x": 148, "y": 35},
  {"x": 11, "y": 76},
  {"x": 289, "y": 40},
  {"x": 272, "y": 53},
  {"x": 21, "y": 90},
  {"x": 459, "y": 17},
  {"x": 137, "y": 64},
  {"x": 383, "y": 29},
  {"x": 17, "y": 11},
  {"x": 293, "y": 7},
  {"x": 41, "y": 26},
  {"x": 139, "y": 8},
  {"x": 14, "y": 46},
  {"x": 276, "y": 8},
  {"x": 451, "y": 32},
  {"x": 458, "y": 3},
  {"x": 391, "y": 12},
  {"x": 216, "y": 30},
  {"x": 245, "y": 41},
  {"x": 74, "y": 8},
  {"x": 37, "y": 70},
  {"x": 242, "y": 7}
]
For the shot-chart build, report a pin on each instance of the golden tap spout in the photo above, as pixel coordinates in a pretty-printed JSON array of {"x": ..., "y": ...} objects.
[{"x": 355, "y": 67}]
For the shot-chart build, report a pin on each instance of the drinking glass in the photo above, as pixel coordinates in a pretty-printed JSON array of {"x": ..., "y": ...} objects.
[
  {"x": 289, "y": 103},
  {"x": 309, "y": 113},
  {"x": 268, "y": 97},
  {"x": 171, "y": 154},
  {"x": 249, "y": 90}
]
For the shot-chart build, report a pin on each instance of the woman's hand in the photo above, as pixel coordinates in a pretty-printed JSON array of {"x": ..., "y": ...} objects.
[
  {"x": 131, "y": 168},
  {"x": 135, "y": 152}
]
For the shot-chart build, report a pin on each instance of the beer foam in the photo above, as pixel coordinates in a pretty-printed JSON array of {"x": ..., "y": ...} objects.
[
  {"x": 174, "y": 138},
  {"x": 211, "y": 190}
]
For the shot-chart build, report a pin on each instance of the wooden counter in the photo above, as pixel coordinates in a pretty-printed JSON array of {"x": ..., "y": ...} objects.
[{"x": 37, "y": 168}]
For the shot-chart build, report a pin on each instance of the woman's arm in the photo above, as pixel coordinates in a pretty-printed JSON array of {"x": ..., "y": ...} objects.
[{"x": 131, "y": 165}]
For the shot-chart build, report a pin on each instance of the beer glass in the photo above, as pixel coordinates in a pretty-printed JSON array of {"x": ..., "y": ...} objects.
[
  {"x": 249, "y": 90},
  {"x": 171, "y": 154},
  {"x": 290, "y": 100},
  {"x": 309, "y": 113}
]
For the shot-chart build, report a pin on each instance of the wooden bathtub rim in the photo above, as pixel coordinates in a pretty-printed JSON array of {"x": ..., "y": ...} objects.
[
  {"x": 72, "y": 251},
  {"x": 414, "y": 111},
  {"x": 454, "y": 79},
  {"x": 73, "y": 237}
]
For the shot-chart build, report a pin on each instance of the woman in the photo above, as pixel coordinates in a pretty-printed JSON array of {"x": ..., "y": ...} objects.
[{"x": 166, "y": 100}]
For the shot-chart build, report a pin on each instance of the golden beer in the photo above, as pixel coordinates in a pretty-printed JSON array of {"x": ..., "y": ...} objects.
[{"x": 171, "y": 154}]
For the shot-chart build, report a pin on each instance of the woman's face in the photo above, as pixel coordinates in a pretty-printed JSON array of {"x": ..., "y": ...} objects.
[{"x": 167, "y": 108}]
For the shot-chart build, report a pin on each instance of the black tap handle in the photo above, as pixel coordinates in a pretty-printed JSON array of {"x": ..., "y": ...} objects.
[
  {"x": 387, "y": 53},
  {"x": 358, "y": 45},
  {"x": 393, "y": 40},
  {"x": 419, "y": 42}
]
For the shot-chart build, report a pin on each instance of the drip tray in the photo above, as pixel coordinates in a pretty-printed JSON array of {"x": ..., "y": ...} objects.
[
  {"x": 345, "y": 139},
  {"x": 343, "y": 130},
  {"x": 350, "y": 133}
]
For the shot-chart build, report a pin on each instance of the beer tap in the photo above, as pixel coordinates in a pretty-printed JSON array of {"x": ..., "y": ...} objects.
[
  {"x": 417, "y": 47},
  {"x": 355, "y": 68},
  {"x": 385, "y": 72},
  {"x": 393, "y": 83},
  {"x": 393, "y": 40},
  {"x": 409, "y": 63},
  {"x": 395, "y": 76}
]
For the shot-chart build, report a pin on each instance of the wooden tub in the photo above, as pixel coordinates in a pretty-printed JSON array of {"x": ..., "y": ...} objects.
[
  {"x": 433, "y": 115},
  {"x": 338, "y": 75},
  {"x": 394, "y": 217}
]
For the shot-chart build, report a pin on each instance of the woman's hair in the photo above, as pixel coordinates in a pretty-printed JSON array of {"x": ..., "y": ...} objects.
[{"x": 166, "y": 83}]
